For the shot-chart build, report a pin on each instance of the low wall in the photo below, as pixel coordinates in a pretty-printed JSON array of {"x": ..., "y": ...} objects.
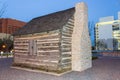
[
  {"x": 6, "y": 55},
  {"x": 113, "y": 54}
]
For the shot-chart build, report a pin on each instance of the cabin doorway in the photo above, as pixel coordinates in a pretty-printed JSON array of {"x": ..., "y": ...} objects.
[{"x": 33, "y": 47}]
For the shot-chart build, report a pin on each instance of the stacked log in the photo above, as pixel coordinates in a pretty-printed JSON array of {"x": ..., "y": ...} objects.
[{"x": 66, "y": 44}]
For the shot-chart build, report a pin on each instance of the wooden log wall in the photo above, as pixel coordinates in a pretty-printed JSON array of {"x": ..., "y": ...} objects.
[
  {"x": 38, "y": 51},
  {"x": 66, "y": 44},
  {"x": 51, "y": 49}
]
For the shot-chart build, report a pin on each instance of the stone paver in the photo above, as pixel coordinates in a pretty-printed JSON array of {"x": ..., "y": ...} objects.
[{"x": 105, "y": 68}]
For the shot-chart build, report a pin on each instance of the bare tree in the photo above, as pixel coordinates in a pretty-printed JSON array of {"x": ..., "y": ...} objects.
[
  {"x": 91, "y": 26},
  {"x": 101, "y": 45},
  {"x": 115, "y": 44},
  {"x": 6, "y": 44},
  {"x": 3, "y": 7}
]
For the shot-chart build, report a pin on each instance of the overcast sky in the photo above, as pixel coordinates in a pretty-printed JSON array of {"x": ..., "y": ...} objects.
[{"x": 25, "y": 10}]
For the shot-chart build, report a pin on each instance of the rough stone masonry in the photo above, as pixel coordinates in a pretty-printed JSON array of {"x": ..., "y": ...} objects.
[{"x": 81, "y": 46}]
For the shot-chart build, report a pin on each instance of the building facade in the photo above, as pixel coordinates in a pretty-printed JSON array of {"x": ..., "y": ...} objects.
[
  {"x": 107, "y": 33},
  {"x": 9, "y": 26},
  {"x": 56, "y": 42}
]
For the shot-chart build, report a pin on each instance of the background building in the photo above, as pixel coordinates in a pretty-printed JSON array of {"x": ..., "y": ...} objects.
[
  {"x": 108, "y": 33},
  {"x": 9, "y": 26}
]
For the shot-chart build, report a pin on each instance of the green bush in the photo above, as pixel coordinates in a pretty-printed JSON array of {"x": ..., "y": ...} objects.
[{"x": 94, "y": 57}]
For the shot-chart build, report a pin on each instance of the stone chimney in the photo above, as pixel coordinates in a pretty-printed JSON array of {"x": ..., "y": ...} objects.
[{"x": 81, "y": 45}]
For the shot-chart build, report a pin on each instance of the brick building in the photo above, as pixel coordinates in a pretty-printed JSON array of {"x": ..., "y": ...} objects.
[{"x": 9, "y": 26}]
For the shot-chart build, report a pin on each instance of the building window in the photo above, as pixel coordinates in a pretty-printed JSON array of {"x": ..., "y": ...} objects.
[
  {"x": 9, "y": 29},
  {"x": 115, "y": 27}
]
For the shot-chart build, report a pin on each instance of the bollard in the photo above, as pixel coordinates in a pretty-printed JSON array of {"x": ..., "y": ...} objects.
[
  {"x": 7, "y": 54},
  {"x": 1, "y": 54}
]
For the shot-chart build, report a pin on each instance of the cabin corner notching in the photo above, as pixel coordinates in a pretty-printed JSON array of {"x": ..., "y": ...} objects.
[{"x": 57, "y": 42}]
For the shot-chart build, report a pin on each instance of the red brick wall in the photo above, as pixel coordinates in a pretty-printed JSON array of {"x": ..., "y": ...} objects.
[{"x": 10, "y": 25}]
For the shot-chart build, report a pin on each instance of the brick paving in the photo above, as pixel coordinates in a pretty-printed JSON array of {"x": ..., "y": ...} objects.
[{"x": 104, "y": 68}]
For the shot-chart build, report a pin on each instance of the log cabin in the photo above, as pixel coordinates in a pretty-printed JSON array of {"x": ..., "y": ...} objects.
[{"x": 56, "y": 42}]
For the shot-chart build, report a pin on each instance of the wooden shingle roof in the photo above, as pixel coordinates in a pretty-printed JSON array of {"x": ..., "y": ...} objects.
[{"x": 45, "y": 23}]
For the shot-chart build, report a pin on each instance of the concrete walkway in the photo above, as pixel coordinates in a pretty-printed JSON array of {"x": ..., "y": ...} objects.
[{"x": 105, "y": 68}]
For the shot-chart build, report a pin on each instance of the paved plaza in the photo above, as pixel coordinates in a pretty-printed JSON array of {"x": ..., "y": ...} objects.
[{"x": 104, "y": 68}]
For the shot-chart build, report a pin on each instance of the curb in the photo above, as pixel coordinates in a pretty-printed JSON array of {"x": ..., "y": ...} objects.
[{"x": 38, "y": 71}]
